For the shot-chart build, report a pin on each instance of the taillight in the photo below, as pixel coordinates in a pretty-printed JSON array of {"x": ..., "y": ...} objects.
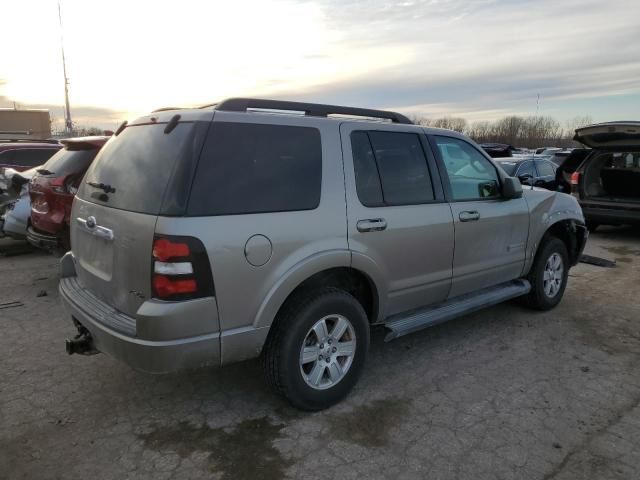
[
  {"x": 575, "y": 178},
  {"x": 181, "y": 269}
]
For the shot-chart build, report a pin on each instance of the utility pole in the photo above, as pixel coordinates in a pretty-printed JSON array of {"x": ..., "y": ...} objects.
[{"x": 68, "y": 125}]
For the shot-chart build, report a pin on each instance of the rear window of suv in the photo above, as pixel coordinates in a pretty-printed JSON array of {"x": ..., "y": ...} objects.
[
  {"x": 66, "y": 162},
  {"x": 139, "y": 164},
  {"x": 255, "y": 168}
]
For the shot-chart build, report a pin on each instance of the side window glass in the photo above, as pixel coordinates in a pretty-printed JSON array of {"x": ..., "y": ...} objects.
[
  {"x": 526, "y": 168},
  {"x": 546, "y": 169},
  {"x": 364, "y": 163},
  {"x": 471, "y": 175}
]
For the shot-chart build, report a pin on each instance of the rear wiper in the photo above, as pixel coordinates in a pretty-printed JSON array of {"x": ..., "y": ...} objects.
[
  {"x": 44, "y": 171},
  {"x": 102, "y": 186}
]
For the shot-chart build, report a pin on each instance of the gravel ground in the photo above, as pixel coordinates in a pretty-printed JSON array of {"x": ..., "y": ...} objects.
[{"x": 507, "y": 393}]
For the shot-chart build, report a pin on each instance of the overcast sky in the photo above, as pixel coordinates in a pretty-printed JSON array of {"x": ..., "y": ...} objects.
[{"x": 481, "y": 59}]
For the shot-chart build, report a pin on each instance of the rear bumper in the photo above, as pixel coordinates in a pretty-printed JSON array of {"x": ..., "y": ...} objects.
[
  {"x": 116, "y": 334},
  {"x": 42, "y": 240},
  {"x": 611, "y": 216}
]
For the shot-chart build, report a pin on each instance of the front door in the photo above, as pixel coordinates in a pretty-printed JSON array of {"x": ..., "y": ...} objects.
[
  {"x": 490, "y": 232},
  {"x": 398, "y": 219}
]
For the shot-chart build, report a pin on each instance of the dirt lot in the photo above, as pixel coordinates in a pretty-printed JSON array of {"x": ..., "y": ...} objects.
[{"x": 506, "y": 393}]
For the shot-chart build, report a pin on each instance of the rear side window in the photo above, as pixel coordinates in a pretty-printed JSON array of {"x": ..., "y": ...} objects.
[
  {"x": 26, "y": 157},
  {"x": 254, "y": 168},
  {"x": 390, "y": 169},
  {"x": 67, "y": 162},
  {"x": 138, "y": 164}
]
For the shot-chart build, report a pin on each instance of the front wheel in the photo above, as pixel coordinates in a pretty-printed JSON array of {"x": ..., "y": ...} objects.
[
  {"x": 548, "y": 275},
  {"x": 317, "y": 348}
]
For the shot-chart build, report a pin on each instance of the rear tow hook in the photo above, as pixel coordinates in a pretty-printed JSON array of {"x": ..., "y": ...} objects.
[{"x": 82, "y": 343}]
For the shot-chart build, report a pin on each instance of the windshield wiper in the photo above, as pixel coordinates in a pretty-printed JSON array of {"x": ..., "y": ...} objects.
[
  {"x": 102, "y": 186},
  {"x": 44, "y": 171}
]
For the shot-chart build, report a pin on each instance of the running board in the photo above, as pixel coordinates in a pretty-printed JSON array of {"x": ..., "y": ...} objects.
[{"x": 403, "y": 324}]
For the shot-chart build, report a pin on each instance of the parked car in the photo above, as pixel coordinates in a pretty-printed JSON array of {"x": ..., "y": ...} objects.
[
  {"x": 25, "y": 154},
  {"x": 547, "y": 151},
  {"x": 15, "y": 206},
  {"x": 531, "y": 171},
  {"x": 606, "y": 180},
  {"x": 213, "y": 235},
  {"x": 52, "y": 190},
  {"x": 499, "y": 150}
]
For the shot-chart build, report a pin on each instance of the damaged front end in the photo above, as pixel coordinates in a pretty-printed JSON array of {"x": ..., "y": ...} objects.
[{"x": 15, "y": 205}]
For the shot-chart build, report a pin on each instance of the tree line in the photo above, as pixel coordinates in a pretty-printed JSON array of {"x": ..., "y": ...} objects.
[{"x": 526, "y": 132}]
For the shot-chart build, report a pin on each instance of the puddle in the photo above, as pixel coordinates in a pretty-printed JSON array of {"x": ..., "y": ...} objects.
[
  {"x": 245, "y": 451},
  {"x": 368, "y": 425}
]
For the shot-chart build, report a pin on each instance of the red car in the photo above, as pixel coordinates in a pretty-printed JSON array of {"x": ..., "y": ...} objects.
[
  {"x": 22, "y": 155},
  {"x": 52, "y": 190}
]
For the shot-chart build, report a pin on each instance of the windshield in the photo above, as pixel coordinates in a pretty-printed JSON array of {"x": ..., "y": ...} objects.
[
  {"x": 508, "y": 167},
  {"x": 132, "y": 170},
  {"x": 66, "y": 162}
]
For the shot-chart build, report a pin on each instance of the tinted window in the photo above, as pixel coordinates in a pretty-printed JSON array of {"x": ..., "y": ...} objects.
[
  {"x": 367, "y": 178},
  {"x": 546, "y": 169},
  {"x": 508, "y": 167},
  {"x": 25, "y": 157},
  {"x": 470, "y": 174},
  {"x": 526, "y": 168},
  {"x": 138, "y": 164},
  {"x": 401, "y": 165},
  {"x": 251, "y": 168},
  {"x": 67, "y": 162}
]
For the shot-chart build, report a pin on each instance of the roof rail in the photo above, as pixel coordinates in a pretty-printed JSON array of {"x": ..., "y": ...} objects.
[
  {"x": 167, "y": 109},
  {"x": 310, "y": 109},
  {"x": 28, "y": 140}
]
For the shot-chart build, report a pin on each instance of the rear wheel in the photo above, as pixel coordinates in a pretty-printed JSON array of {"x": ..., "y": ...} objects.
[
  {"x": 317, "y": 348},
  {"x": 548, "y": 275}
]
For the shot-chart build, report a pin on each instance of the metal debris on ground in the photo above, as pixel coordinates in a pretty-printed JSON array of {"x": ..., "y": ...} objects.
[{"x": 597, "y": 261}]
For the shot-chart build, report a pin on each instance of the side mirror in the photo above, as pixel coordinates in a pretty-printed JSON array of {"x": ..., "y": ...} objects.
[
  {"x": 511, "y": 188},
  {"x": 525, "y": 178}
]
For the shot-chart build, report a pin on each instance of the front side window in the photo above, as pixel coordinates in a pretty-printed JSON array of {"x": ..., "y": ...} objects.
[
  {"x": 471, "y": 175},
  {"x": 390, "y": 168},
  {"x": 546, "y": 169},
  {"x": 254, "y": 168},
  {"x": 526, "y": 168}
]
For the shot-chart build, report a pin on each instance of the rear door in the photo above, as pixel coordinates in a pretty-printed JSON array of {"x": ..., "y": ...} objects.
[
  {"x": 397, "y": 214},
  {"x": 136, "y": 176},
  {"x": 490, "y": 232}
]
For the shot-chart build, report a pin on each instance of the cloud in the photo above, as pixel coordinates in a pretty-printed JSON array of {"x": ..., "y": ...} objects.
[{"x": 474, "y": 57}]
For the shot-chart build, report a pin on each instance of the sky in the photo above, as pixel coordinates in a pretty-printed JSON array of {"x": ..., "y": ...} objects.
[{"x": 479, "y": 59}]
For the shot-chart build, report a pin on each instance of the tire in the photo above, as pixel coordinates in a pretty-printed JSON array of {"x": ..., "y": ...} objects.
[
  {"x": 320, "y": 382},
  {"x": 546, "y": 294},
  {"x": 592, "y": 226}
]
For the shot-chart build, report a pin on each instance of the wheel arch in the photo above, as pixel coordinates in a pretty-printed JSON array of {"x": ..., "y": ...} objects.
[{"x": 327, "y": 269}]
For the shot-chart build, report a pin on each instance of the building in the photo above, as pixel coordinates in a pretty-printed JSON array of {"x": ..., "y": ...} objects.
[{"x": 29, "y": 124}]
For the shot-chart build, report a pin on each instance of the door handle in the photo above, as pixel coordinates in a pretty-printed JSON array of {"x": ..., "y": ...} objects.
[
  {"x": 371, "y": 225},
  {"x": 90, "y": 226},
  {"x": 467, "y": 216}
]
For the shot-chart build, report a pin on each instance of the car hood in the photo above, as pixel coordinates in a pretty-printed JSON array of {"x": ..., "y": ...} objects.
[{"x": 610, "y": 136}]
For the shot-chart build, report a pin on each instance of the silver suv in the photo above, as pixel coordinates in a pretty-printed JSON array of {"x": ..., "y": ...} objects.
[{"x": 286, "y": 230}]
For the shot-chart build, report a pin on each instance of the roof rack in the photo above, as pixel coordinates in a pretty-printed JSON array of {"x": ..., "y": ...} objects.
[
  {"x": 28, "y": 140},
  {"x": 310, "y": 109}
]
